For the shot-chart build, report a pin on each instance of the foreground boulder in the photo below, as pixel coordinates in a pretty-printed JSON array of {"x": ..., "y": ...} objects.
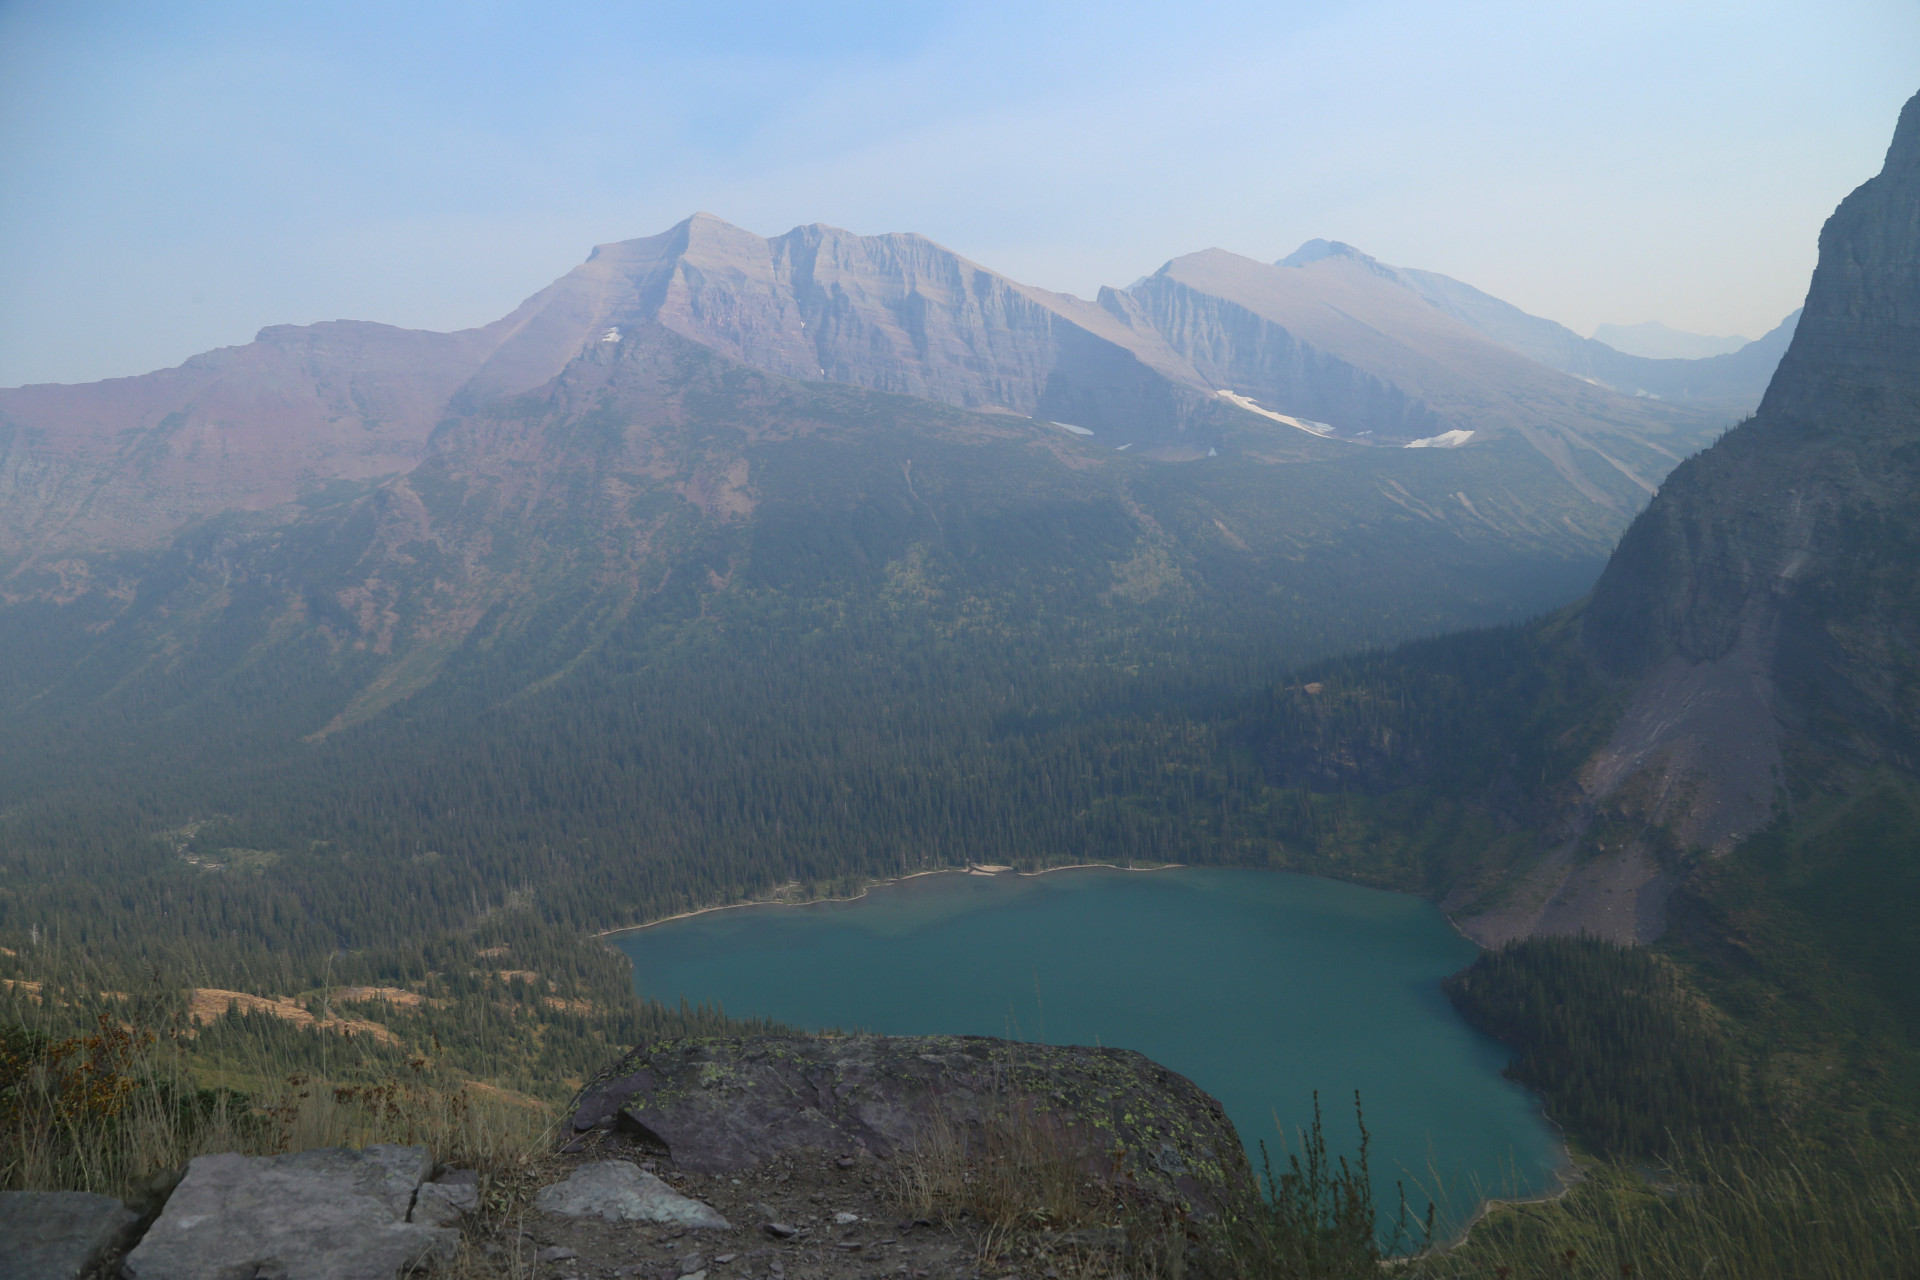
[
  {"x": 726, "y": 1104},
  {"x": 620, "y": 1191},
  {"x": 329, "y": 1214},
  {"x": 57, "y": 1235}
]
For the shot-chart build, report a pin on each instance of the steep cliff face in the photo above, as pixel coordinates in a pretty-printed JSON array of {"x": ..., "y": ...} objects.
[
  {"x": 1748, "y": 655},
  {"x": 1764, "y": 611},
  {"x": 1789, "y": 553}
]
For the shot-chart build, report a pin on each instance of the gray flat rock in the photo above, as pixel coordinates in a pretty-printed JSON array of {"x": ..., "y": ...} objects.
[
  {"x": 440, "y": 1204},
  {"x": 57, "y": 1235},
  {"x": 330, "y": 1214},
  {"x": 388, "y": 1172},
  {"x": 618, "y": 1191}
]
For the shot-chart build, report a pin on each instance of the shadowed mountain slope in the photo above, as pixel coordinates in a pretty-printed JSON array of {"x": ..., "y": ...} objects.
[
  {"x": 668, "y": 630},
  {"x": 654, "y": 474}
]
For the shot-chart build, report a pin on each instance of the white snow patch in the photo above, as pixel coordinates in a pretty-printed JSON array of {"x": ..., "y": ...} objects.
[
  {"x": 1123, "y": 448},
  {"x": 1308, "y": 425},
  {"x": 1068, "y": 426},
  {"x": 1445, "y": 440},
  {"x": 611, "y": 335}
]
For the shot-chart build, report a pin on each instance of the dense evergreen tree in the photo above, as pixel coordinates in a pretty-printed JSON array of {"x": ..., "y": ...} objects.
[{"x": 1627, "y": 1060}]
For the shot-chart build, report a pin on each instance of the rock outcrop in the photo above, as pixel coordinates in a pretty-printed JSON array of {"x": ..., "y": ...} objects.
[
  {"x": 772, "y": 1148},
  {"x": 715, "y": 1106},
  {"x": 58, "y": 1235},
  {"x": 328, "y": 1214},
  {"x": 621, "y": 1191}
]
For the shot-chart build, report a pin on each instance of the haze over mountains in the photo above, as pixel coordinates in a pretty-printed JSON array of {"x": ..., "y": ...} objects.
[
  {"x": 330, "y": 561},
  {"x": 1656, "y": 341},
  {"x": 1330, "y": 338},
  {"x": 396, "y": 669},
  {"x": 333, "y": 559}
]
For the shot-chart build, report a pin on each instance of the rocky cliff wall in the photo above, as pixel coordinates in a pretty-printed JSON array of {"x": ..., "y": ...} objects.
[
  {"x": 1764, "y": 611},
  {"x": 1791, "y": 549}
]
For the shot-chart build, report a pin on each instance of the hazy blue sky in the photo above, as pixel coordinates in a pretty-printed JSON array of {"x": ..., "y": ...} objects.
[{"x": 179, "y": 174}]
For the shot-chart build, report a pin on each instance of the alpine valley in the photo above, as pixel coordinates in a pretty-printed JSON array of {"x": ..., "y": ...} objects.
[
  {"x": 729, "y": 568},
  {"x": 725, "y": 562}
]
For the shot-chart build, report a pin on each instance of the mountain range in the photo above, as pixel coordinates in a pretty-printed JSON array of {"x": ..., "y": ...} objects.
[
  {"x": 728, "y": 568},
  {"x": 1329, "y": 337},
  {"x": 1306, "y": 455},
  {"x": 726, "y": 562}
]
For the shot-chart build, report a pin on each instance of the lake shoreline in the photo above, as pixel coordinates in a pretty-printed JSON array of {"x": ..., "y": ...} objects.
[
  {"x": 971, "y": 869},
  {"x": 984, "y": 868},
  {"x": 1561, "y": 1171}
]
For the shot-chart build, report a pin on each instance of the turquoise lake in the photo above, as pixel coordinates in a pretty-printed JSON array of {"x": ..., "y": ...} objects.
[{"x": 1260, "y": 986}]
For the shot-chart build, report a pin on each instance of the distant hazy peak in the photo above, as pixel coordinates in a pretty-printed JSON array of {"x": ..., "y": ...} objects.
[
  {"x": 1735, "y": 379},
  {"x": 1655, "y": 341},
  {"x": 1315, "y": 250}
]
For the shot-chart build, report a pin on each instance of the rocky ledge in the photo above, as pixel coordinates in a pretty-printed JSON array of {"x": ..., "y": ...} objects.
[
  {"x": 722, "y": 1105},
  {"x": 764, "y": 1158}
]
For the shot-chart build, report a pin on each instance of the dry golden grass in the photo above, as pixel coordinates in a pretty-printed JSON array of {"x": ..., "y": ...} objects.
[
  {"x": 399, "y": 997},
  {"x": 206, "y": 1004},
  {"x": 118, "y": 1111}
]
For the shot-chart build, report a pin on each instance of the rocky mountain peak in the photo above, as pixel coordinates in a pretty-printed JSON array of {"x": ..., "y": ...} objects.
[
  {"x": 895, "y": 312},
  {"x": 1858, "y": 341}
]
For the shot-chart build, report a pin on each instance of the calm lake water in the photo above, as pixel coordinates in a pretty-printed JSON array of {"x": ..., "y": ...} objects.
[{"x": 1261, "y": 987}]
